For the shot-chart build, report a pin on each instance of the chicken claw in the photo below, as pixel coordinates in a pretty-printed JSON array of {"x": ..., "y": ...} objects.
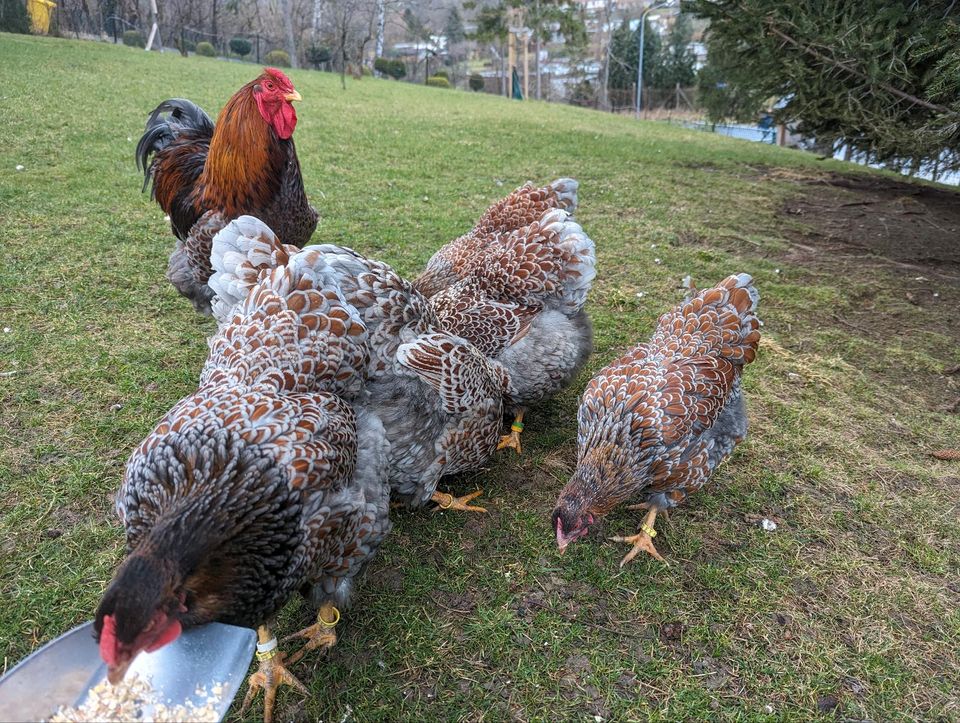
[
  {"x": 271, "y": 674},
  {"x": 513, "y": 439},
  {"x": 319, "y": 635},
  {"x": 446, "y": 501},
  {"x": 643, "y": 540}
]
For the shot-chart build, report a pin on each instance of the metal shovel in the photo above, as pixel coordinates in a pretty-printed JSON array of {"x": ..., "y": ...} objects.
[{"x": 64, "y": 670}]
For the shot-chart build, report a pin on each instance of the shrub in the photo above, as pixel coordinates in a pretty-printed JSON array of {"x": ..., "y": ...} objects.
[
  {"x": 396, "y": 69},
  {"x": 240, "y": 46},
  {"x": 364, "y": 70},
  {"x": 278, "y": 58},
  {"x": 206, "y": 49},
  {"x": 134, "y": 39},
  {"x": 441, "y": 74},
  {"x": 13, "y": 16},
  {"x": 476, "y": 82},
  {"x": 438, "y": 81},
  {"x": 317, "y": 55}
]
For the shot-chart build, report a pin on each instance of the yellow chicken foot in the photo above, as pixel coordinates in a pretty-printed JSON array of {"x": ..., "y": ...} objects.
[
  {"x": 319, "y": 635},
  {"x": 447, "y": 501},
  {"x": 270, "y": 676},
  {"x": 643, "y": 540},
  {"x": 513, "y": 439}
]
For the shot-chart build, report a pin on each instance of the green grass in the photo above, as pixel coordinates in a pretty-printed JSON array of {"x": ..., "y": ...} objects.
[{"x": 855, "y": 595}]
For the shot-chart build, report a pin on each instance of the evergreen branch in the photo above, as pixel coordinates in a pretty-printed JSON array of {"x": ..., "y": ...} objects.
[{"x": 856, "y": 72}]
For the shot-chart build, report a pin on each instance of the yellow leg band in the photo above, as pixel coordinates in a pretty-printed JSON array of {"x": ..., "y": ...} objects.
[
  {"x": 336, "y": 618},
  {"x": 517, "y": 426},
  {"x": 649, "y": 530}
]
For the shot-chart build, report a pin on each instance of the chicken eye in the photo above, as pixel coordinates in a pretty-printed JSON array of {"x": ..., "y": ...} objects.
[{"x": 269, "y": 85}]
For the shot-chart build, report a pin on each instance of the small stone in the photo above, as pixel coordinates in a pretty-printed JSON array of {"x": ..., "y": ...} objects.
[
  {"x": 19, "y": 167},
  {"x": 426, "y": 199},
  {"x": 116, "y": 407},
  {"x": 776, "y": 271},
  {"x": 641, "y": 294},
  {"x": 768, "y": 709},
  {"x": 653, "y": 246},
  {"x": 7, "y": 330},
  {"x": 129, "y": 139},
  {"x": 768, "y": 525},
  {"x": 657, "y": 261}
]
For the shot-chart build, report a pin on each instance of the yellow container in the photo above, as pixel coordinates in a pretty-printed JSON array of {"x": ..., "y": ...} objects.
[{"x": 40, "y": 11}]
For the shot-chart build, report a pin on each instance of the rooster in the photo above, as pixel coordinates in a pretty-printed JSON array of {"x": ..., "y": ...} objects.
[
  {"x": 515, "y": 287},
  {"x": 267, "y": 480},
  {"x": 204, "y": 175},
  {"x": 658, "y": 421},
  {"x": 438, "y": 397}
]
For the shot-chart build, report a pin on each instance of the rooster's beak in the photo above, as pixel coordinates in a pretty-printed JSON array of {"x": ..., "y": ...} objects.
[{"x": 293, "y": 96}]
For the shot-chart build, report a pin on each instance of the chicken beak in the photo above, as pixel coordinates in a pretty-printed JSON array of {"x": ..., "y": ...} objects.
[
  {"x": 116, "y": 672},
  {"x": 292, "y": 96}
]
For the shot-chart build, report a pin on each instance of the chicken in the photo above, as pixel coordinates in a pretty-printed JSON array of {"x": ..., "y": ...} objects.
[
  {"x": 266, "y": 480},
  {"x": 515, "y": 287},
  {"x": 438, "y": 397},
  {"x": 204, "y": 175},
  {"x": 658, "y": 421}
]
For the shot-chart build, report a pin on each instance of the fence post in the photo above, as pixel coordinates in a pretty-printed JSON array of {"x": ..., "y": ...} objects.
[{"x": 258, "y": 48}]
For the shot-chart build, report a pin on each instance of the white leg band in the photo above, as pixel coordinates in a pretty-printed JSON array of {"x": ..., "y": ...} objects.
[{"x": 266, "y": 647}]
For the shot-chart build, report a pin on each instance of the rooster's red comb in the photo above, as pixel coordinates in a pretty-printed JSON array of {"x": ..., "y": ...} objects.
[{"x": 279, "y": 76}]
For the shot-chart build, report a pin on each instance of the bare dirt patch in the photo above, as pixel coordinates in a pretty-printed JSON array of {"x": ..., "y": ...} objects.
[{"x": 903, "y": 222}]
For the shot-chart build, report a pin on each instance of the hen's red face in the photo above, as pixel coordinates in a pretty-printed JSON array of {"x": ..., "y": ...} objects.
[
  {"x": 275, "y": 94},
  {"x": 569, "y": 529},
  {"x": 118, "y": 655}
]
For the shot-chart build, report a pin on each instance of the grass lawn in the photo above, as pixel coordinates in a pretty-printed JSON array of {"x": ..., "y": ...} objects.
[{"x": 850, "y": 607}]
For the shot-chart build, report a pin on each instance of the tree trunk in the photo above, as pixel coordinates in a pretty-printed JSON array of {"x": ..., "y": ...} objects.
[
  {"x": 381, "y": 25},
  {"x": 287, "y": 10},
  {"x": 343, "y": 55},
  {"x": 317, "y": 16},
  {"x": 537, "y": 46},
  {"x": 213, "y": 24}
]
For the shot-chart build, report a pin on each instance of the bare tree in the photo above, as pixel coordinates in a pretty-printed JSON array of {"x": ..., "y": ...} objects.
[{"x": 289, "y": 38}]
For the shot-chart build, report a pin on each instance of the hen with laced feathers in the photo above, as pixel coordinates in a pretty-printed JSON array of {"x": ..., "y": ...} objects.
[
  {"x": 266, "y": 480},
  {"x": 655, "y": 423}
]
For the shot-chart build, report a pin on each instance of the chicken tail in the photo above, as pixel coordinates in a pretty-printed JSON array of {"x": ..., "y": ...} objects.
[
  {"x": 565, "y": 193},
  {"x": 241, "y": 251},
  {"x": 292, "y": 329},
  {"x": 166, "y": 123},
  {"x": 730, "y": 307},
  {"x": 550, "y": 263}
]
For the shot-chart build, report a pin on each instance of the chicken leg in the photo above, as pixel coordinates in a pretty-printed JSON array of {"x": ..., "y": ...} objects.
[
  {"x": 513, "y": 439},
  {"x": 643, "y": 540},
  {"x": 271, "y": 674},
  {"x": 446, "y": 501},
  {"x": 319, "y": 635}
]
